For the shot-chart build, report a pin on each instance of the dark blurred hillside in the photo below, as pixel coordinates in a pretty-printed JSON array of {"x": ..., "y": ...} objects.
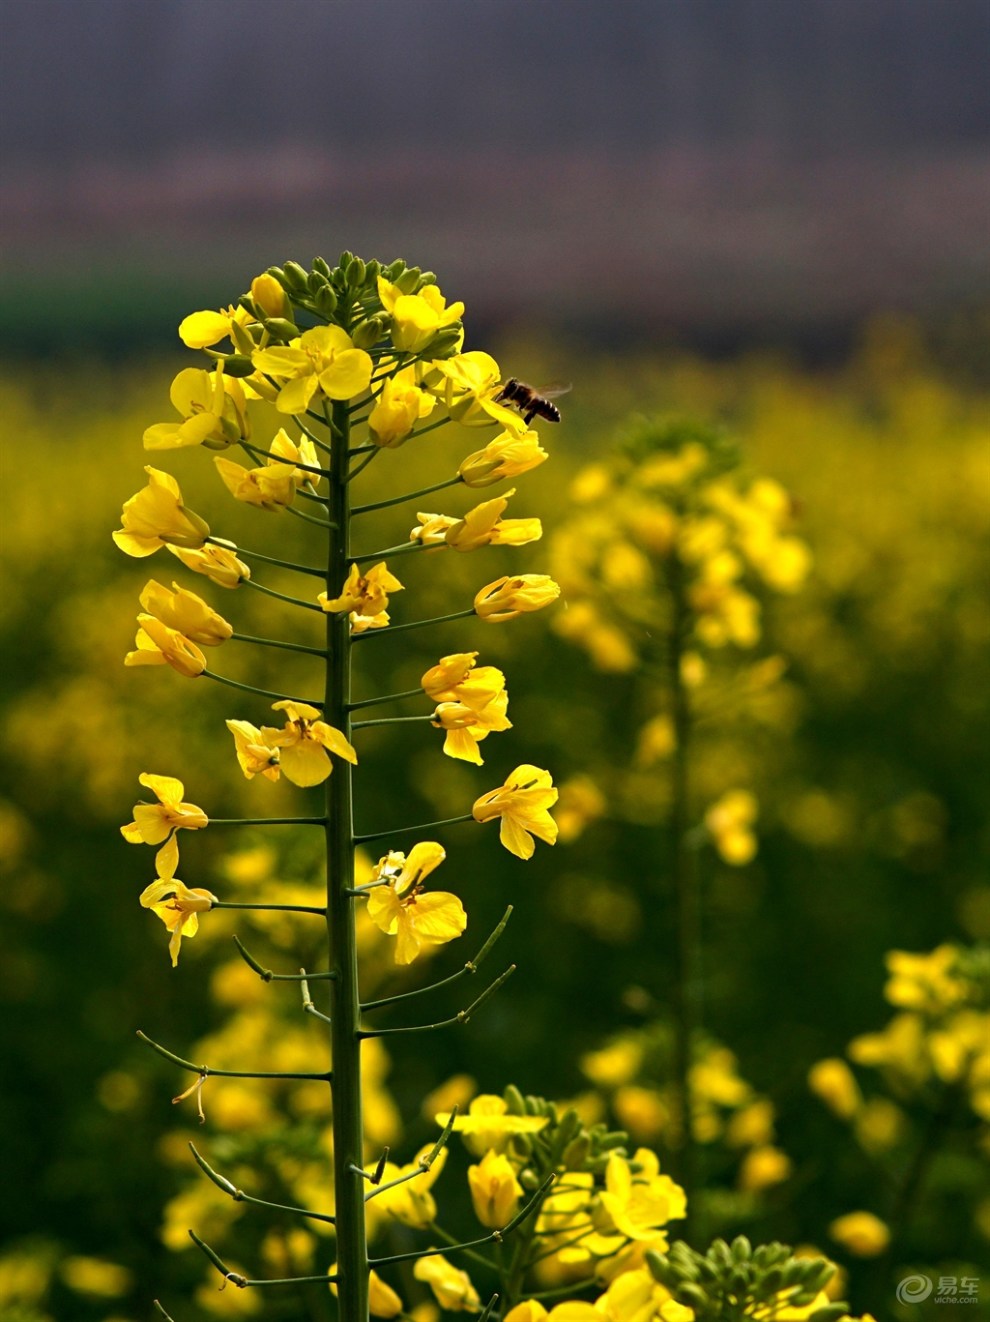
[{"x": 682, "y": 166}]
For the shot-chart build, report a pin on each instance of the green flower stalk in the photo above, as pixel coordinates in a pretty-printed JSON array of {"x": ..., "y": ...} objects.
[{"x": 334, "y": 350}]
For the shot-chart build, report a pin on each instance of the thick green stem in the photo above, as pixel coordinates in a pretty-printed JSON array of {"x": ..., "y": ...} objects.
[
  {"x": 345, "y": 1002},
  {"x": 687, "y": 999}
]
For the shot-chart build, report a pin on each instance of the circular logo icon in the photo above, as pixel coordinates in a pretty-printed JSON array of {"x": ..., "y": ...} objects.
[{"x": 914, "y": 1289}]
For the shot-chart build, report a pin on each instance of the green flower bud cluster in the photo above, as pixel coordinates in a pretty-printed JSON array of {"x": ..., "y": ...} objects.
[
  {"x": 348, "y": 295},
  {"x": 734, "y": 1281},
  {"x": 564, "y": 1143}
]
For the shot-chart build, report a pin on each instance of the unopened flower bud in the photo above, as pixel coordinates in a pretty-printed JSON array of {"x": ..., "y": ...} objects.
[
  {"x": 243, "y": 339},
  {"x": 446, "y": 341},
  {"x": 514, "y": 1100},
  {"x": 576, "y": 1153},
  {"x": 315, "y": 281},
  {"x": 394, "y": 269},
  {"x": 372, "y": 271},
  {"x": 427, "y": 278},
  {"x": 366, "y": 334},
  {"x": 355, "y": 273},
  {"x": 295, "y": 278},
  {"x": 326, "y": 301},
  {"x": 408, "y": 281},
  {"x": 693, "y": 1296},
  {"x": 268, "y": 295},
  {"x": 238, "y": 365},
  {"x": 322, "y": 265},
  {"x": 281, "y": 328}
]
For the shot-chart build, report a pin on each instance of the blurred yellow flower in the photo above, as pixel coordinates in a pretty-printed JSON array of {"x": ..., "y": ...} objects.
[
  {"x": 523, "y": 803},
  {"x": 451, "y": 1286},
  {"x": 637, "y": 1199},
  {"x": 154, "y": 822},
  {"x": 729, "y": 822},
  {"x": 495, "y": 1191},
  {"x": 763, "y": 1167},
  {"x": 409, "y": 1200},
  {"x": 834, "y": 1082},
  {"x": 862, "y": 1233},
  {"x": 96, "y": 1276},
  {"x": 488, "y": 1124}
]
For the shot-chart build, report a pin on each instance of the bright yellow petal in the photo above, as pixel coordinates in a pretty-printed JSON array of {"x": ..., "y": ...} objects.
[{"x": 305, "y": 763}]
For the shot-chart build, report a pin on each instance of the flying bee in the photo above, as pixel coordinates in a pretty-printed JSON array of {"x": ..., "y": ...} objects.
[{"x": 529, "y": 402}]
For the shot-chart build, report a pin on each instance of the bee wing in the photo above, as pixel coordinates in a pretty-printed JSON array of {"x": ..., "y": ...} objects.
[{"x": 554, "y": 390}]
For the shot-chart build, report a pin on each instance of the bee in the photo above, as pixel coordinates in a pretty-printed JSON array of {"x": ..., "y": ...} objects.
[{"x": 529, "y": 402}]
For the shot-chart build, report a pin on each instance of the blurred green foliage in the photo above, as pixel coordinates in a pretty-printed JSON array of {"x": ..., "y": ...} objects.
[{"x": 872, "y": 826}]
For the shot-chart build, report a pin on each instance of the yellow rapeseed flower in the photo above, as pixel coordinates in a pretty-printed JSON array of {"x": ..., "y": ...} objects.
[
  {"x": 255, "y": 754},
  {"x": 488, "y": 1124},
  {"x": 156, "y": 516},
  {"x": 363, "y": 594},
  {"x": 399, "y": 407},
  {"x": 416, "y": 318},
  {"x": 729, "y": 822},
  {"x": 637, "y": 1198},
  {"x": 513, "y": 595},
  {"x": 484, "y": 526},
  {"x": 219, "y": 564},
  {"x": 321, "y": 363},
  {"x": 507, "y": 455},
  {"x": 186, "y": 613},
  {"x": 155, "y": 822},
  {"x": 495, "y": 1191},
  {"x": 175, "y": 904},
  {"x": 834, "y": 1082},
  {"x": 466, "y": 726},
  {"x": 158, "y": 645},
  {"x": 400, "y": 908},
  {"x": 271, "y": 487},
  {"x": 451, "y": 1286},
  {"x": 523, "y": 803},
  {"x": 213, "y": 411},
  {"x": 411, "y": 1203},
  {"x": 305, "y": 743},
  {"x": 862, "y": 1233}
]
